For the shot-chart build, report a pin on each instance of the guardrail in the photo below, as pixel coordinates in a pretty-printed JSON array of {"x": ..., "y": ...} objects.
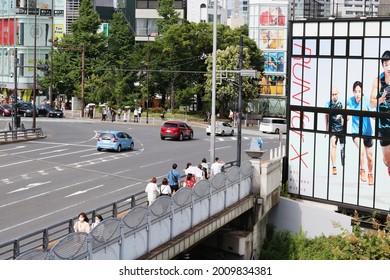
[
  {"x": 21, "y": 134},
  {"x": 143, "y": 229},
  {"x": 45, "y": 238}
]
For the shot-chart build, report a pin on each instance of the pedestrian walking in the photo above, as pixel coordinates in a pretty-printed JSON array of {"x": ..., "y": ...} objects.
[
  {"x": 174, "y": 178},
  {"x": 216, "y": 167},
  {"x": 135, "y": 115},
  {"x": 152, "y": 190},
  {"x": 165, "y": 189},
  {"x": 82, "y": 224}
]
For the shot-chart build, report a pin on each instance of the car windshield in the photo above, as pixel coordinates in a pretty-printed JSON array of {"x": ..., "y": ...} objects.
[
  {"x": 170, "y": 125},
  {"x": 107, "y": 136}
]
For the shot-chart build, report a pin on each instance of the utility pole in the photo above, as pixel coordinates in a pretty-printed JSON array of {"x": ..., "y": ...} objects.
[
  {"x": 214, "y": 84},
  {"x": 35, "y": 72},
  {"x": 147, "y": 82},
  {"x": 15, "y": 97},
  {"x": 239, "y": 119},
  {"x": 82, "y": 79}
]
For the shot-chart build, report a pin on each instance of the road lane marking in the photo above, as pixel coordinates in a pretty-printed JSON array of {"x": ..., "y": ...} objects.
[
  {"x": 42, "y": 216},
  {"x": 60, "y": 155},
  {"x": 98, "y": 153},
  {"x": 29, "y": 186},
  {"x": 84, "y": 191},
  {"x": 49, "y": 192},
  {"x": 15, "y": 163},
  {"x": 142, "y": 166},
  {"x": 55, "y": 151}
]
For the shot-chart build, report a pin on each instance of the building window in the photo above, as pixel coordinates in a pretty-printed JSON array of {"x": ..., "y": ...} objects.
[{"x": 146, "y": 26}]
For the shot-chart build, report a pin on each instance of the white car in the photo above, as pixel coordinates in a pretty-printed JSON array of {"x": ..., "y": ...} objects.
[
  {"x": 221, "y": 128},
  {"x": 273, "y": 125}
]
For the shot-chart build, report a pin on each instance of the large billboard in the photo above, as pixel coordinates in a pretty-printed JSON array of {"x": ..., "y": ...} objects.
[{"x": 339, "y": 138}]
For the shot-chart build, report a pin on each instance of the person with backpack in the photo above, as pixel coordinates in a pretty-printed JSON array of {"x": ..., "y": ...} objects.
[{"x": 174, "y": 178}]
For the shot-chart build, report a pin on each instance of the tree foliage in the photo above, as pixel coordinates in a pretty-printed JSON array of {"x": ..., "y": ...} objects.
[
  {"x": 171, "y": 65},
  {"x": 355, "y": 245}
]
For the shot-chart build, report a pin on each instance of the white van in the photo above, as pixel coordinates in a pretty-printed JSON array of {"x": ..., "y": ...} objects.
[{"x": 273, "y": 125}]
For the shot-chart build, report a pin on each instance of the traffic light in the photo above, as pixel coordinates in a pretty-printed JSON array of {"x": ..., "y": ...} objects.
[{"x": 45, "y": 68}]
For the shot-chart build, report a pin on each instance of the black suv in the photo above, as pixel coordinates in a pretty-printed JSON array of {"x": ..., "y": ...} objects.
[
  {"x": 25, "y": 109},
  {"x": 48, "y": 111}
]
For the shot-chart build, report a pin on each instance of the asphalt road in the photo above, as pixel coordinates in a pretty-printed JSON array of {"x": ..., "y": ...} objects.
[{"x": 50, "y": 180}]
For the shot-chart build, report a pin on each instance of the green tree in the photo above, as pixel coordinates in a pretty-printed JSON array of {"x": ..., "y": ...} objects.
[
  {"x": 117, "y": 81},
  {"x": 169, "y": 16},
  {"x": 227, "y": 89},
  {"x": 67, "y": 56}
]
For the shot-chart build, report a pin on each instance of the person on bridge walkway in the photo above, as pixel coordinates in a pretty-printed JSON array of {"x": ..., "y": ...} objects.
[
  {"x": 152, "y": 190},
  {"x": 82, "y": 225},
  {"x": 216, "y": 167},
  {"x": 174, "y": 178},
  {"x": 165, "y": 188}
]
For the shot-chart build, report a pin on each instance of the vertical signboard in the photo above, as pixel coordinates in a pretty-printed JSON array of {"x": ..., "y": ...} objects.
[{"x": 339, "y": 141}]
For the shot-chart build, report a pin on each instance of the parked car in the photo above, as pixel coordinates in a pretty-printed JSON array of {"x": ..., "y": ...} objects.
[
  {"x": 114, "y": 140},
  {"x": 48, "y": 111},
  {"x": 273, "y": 125},
  {"x": 221, "y": 128},
  {"x": 5, "y": 110},
  {"x": 25, "y": 109},
  {"x": 176, "y": 130}
]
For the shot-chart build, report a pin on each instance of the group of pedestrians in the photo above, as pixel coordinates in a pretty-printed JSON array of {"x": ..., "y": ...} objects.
[
  {"x": 121, "y": 114},
  {"x": 83, "y": 225},
  {"x": 173, "y": 181}
]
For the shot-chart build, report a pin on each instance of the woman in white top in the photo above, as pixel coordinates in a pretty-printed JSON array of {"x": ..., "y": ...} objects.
[
  {"x": 82, "y": 225},
  {"x": 152, "y": 190},
  {"x": 165, "y": 189}
]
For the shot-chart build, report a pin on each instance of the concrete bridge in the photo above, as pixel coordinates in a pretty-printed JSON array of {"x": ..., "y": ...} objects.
[{"x": 170, "y": 226}]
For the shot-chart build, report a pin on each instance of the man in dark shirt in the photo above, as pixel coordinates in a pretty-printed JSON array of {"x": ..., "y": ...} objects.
[{"x": 335, "y": 124}]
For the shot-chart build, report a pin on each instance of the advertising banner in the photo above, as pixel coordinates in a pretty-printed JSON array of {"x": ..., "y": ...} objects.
[
  {"x": 339, "y": 141},
  {"x": 7, "y": 31}
]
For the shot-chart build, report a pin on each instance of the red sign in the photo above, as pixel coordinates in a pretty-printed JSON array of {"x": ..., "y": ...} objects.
[{"x": 7, "y": 31}]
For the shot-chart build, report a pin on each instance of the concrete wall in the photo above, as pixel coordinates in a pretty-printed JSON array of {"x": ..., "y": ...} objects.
[{"x": 315, "y": 219}]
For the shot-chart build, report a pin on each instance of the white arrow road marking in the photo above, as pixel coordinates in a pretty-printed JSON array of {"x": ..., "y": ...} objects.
[
  {"x": 55, "y": 151},
  {"x": 87, "y": 190},
  {"x": 29, "y": 186}
]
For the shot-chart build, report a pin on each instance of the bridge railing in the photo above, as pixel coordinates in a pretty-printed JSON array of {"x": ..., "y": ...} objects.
[
  {"x": 21, "y": 134},
  {"x": 44, "y": 239},
  {"x": 142, "y": 228}
]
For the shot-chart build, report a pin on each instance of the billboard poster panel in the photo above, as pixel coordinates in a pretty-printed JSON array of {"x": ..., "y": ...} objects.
[
  {"x": 7, "y": 27},
  {"x": 273, "y": 15},
  {"x": 339, "y": 138}
]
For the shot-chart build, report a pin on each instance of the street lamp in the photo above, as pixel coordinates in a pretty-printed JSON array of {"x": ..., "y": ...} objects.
[{"x": 147, "y": 82}]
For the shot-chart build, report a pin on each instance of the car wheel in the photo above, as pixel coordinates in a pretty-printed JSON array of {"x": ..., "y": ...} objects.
[
  {"x": 132, "y": 146},
  {"x": 277, "y": 131},
  {"x": 208, "y": 133},
  {"x": 119, "y": 149},
  {"x": 162, "y": 137},
  {"x": 99, "y": 149},
  {"x": 223, "y": 133},
  {"x": 181, "y": 137},
  {"x": 232, "y": 133},
  {"x": 191, "y": 136}
]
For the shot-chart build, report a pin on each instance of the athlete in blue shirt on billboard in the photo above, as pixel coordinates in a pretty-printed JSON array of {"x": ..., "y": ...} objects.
[{"x": 360, "y": 102}]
